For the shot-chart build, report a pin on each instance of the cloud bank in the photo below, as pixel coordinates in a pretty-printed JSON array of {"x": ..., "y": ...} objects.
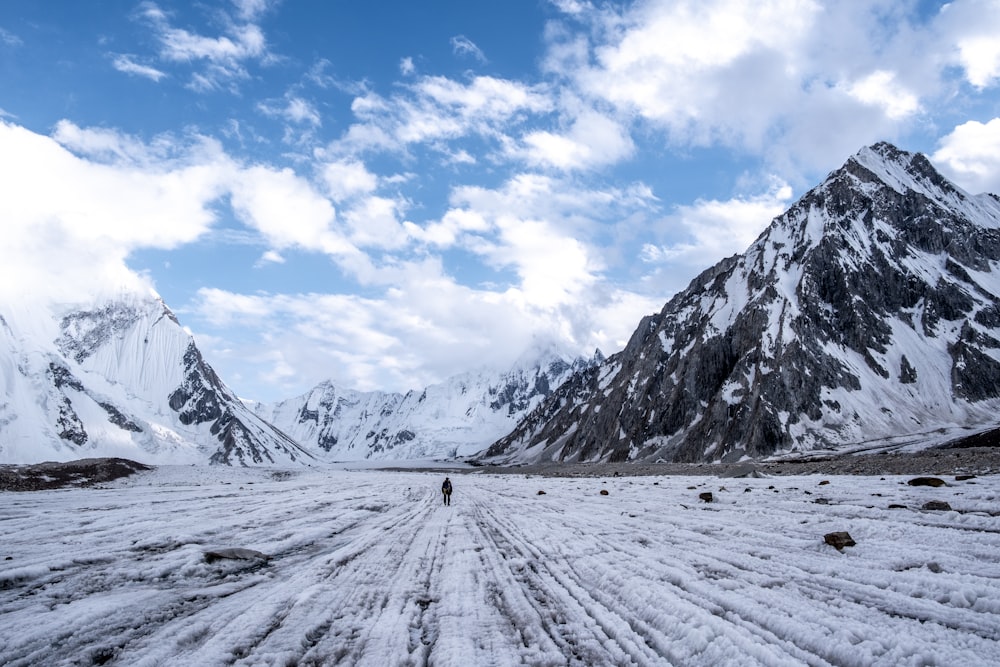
[{"x": 456, "y": 220}]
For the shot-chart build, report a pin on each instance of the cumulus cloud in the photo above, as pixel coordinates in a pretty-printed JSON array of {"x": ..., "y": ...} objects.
[
  {"x": 542, "y": 276},
  {"x": 112, "y": 146},
  {"x": 972, "y": 27},
  {"x": 117, "y": 194},
  {"x": 74, "y": 245},
  {"x": 761, "y": 77},
  {"x": 669, "y": 62},
  {"x": 540, "y": 230},
  {"x": 970, "y": 156},
  {"x": 592, "y": 141},
  {"x": 881, "y": 89},
  {"x": 345, "y": 179},
  {"x": 374, "y": 223},
  {"x": 717, "y": 229},
  {"x": 424, "y": 328},
  {"x": 445, "y": 233},
  {"x": 286, "y": 210}
]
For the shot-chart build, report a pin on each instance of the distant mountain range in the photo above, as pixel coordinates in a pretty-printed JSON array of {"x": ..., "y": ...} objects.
[
  {"x": 122, "y": 378},
  {"x": 456, "y": 418},
  {"x": 868, "y": 312}
]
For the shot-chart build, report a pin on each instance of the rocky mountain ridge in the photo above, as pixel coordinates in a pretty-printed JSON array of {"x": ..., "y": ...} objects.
[
  {"x": 456, "y": 418},
  {"x": 870, "y": 309}
]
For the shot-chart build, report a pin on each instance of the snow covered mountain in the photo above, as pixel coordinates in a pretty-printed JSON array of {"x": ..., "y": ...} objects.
[
  {"x": 122, "y": 378},
  {"x": 456, "y": 418},
  {"x": 869, "y": 310}
]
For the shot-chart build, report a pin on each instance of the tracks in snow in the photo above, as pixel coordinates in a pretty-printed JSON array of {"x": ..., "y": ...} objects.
[{"x": 370, "y": 569}]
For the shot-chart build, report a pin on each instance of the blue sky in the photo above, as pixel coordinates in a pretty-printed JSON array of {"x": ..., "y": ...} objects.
[{"x": 386, "y": 194}]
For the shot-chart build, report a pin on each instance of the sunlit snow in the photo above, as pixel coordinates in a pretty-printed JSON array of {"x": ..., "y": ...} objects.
[{"x": 368, "y": 568}]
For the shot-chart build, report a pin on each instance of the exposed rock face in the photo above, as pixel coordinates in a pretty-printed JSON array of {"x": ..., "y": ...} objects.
[{"x": 869, "y": 309}]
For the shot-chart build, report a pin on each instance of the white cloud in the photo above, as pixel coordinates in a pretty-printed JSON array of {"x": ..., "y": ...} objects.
[
  {"x": 348, "y": 178},
  {"x": 73, "y": 246},
  {"x": 717, "y": 229},
  {"x": 572, "y": 7},
  {"x": 100, "y": 143},
  {"x": 540, "y": 277},
  {"x": 286, "y": 210},
  {"x": 374, "y": 223},
  {"x": 485, "y": 98},
  {"x": 406, "y": 66},
  {"x": 438, "y": 109},
  {"x": 593, "y": 140},
  {"x": 667, "y": 61},
  {"x": 106, "y": 145},
  {"x": 221, "y": 58},
  {"x": 292, "y": 109},
  {"x": 761, "y": 77},
  {"x": 970, "y": 156},
  {"x": 461, "y": 156},
  {"x": 249, "y": 10},
  {"x": 247, "y": 41},
  {"x": 463, "y": 46},
  {"x": 455, "y": 224},
  {"x": 537, "y": 227},
  {"x": 270, "y": 257},
  {"x": 881, "y": 89},
  {"x": 972, "y": 26},
  {"x": 10, "y": 39},
  {"x": 127, "y": 64},
  {"x": 422, "y": 329}
]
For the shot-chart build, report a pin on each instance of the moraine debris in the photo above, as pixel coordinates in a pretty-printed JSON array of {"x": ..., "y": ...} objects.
[
  {"x": 926, "y": 481},
  {"x": 840, "y": 539}
]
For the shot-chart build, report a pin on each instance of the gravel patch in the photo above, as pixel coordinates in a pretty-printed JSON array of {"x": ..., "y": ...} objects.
[{"x": 52, "y": 475}]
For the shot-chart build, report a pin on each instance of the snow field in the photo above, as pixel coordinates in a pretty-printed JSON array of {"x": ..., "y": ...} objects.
[{"x": 368, "y": 568}]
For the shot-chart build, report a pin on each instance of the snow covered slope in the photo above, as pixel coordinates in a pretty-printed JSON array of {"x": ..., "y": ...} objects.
[
  {"x": 869, "y": 310},
  {"x": 459, "y": 417},
  {"x": 120, "y": 378},
  {"x": 368, "y": 568}
]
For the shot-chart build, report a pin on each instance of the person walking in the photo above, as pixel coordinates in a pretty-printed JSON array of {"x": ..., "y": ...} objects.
[{"x": 446, "y": 491}]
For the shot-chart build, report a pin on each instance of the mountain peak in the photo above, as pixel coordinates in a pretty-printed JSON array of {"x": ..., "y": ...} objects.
[
  {"x": 903, "y": 171},
  {"x": 121, "y": 377},
  {"x": 869, "y": 310}
]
